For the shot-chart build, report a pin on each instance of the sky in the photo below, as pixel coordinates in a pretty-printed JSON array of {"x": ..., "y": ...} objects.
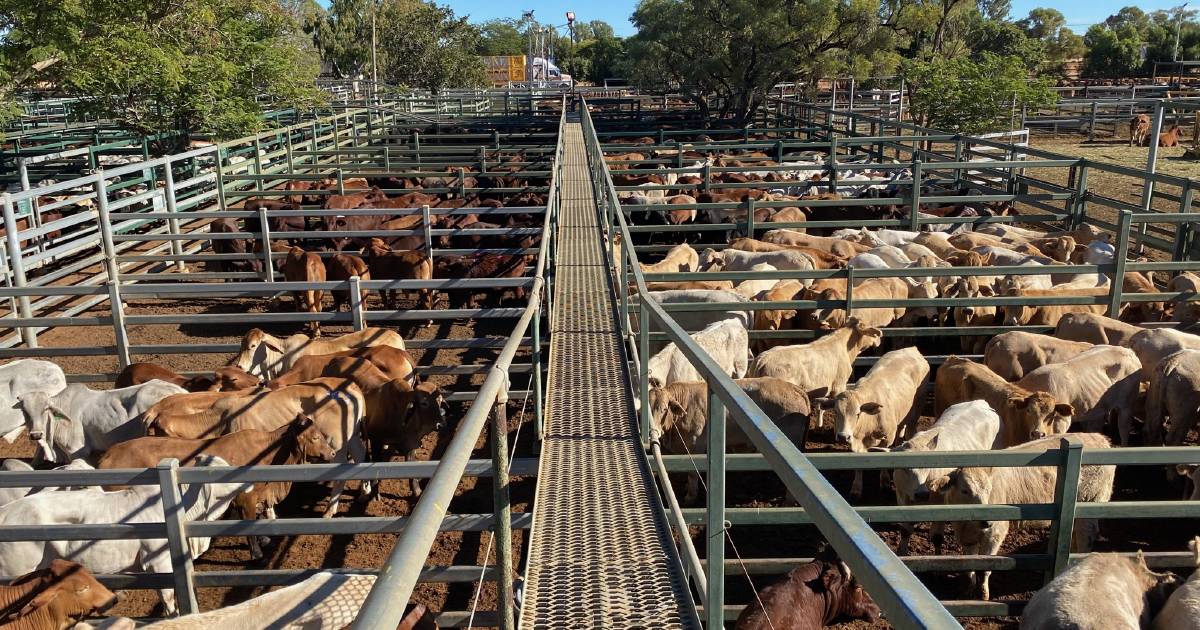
[{"x": 1080, "y": 13}]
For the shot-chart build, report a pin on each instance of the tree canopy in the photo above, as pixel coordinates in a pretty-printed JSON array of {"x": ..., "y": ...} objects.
[{"x": 201, "y": 65}]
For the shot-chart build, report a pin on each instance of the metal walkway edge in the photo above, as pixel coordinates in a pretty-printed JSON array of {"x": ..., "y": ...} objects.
[{"x": 601, "y": 553}]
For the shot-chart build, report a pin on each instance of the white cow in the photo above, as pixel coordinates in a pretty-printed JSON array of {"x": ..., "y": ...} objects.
[
  {"x": 1182, "y": 610},
  {"x": 1103, "y": 592},
  {"x": 966, "y": 426},
  {"x": 726, "y": 341},
  {"x": 139, "y": 504},
  {"x": 698, "y": 320},
  {"x": 79, "y": 421},
  {"x": 750, "y": 289},
  {"x": 12, "y": 493},
  {"x": 19, "y": 378}
]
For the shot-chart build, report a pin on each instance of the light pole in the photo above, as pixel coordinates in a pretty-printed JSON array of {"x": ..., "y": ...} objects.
[
  {"x": 1178, "y": 22},
  {"x": 374, "y": 65}
]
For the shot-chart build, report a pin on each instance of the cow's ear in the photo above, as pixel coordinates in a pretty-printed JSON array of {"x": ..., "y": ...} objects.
[
  {"x": 830, "y": 577},
  {"x": 987, "y": 291},
  {"x": 1185, "y": 470},
  {"x": 872, "y": 408},
  {"x": 1064, "y": 409},
  {"x": 936, "y": 485},
  {"x": 42, "y": 599}
]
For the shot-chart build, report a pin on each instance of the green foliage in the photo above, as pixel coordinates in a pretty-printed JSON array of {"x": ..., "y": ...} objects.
[
  {"x": 426, "y": 46},
  {"x": 502, "y": 37},
  {"x": 1112, "y": 52},
  {"x": 1049, "y": 26},
  {"x": 970, "y": 96},
  {"x": 1005, "y": 39},
  {"x": 738, "y": 49},
  {"x": 154, "y": 66},
  {"x": 343, "y": 36}
]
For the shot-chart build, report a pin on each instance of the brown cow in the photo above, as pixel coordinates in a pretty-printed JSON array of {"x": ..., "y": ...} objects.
[
  {"x": 343, "y": 267},
  {"x": 223, "y": 378},
  {"x": 1139, "y": 130},
  {"x": 388, "y": 264},
  {"x": 401, "y": 415},
  {"x": 299, "y": 442},
  {"x": 393, "y": 362},
  {"x": 276, "y": 224},
  {"x": 1170, "y": 137},
  {"x": 228, "y": 246},
  {"x": 811, "y": 596},
  {"x": 53, "y": 598},
  {"x": 302, "y": 266},
  {"x": 360, "y": 371}
]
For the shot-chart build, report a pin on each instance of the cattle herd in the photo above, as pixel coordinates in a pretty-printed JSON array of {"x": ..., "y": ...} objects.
[{"x": 1130, "y": 380}]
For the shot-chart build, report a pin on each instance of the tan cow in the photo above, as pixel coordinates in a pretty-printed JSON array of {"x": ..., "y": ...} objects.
[
  {"x": 1182, "y": 610},
  {"x": 1024, "y": 415},
  {"x": 1174, "y": 393},
  {"x": 1139, "y": 130},
  {"x": 681, "y": 258},
  {"x": 1156, "y": 344},
  {"x": 387, "y": 363},
  {"x": 298, "y": 442},
  {"x": 831, "y": 318},
  {"x": 1104, "y": 591},
  {"x": 821, "y": 259},
  {"x": 881, "y": 406},
  {"x": 836, "y": 246},
  {"x": 53, "y": 598},
  {"x": 1016, "y": 353},
  {"x": 1139, "y": 283},
  {"x": 1188, "y": 284},
  {"x": 1017, "y": 485},
  {"x": 267, "y": 356},
  {"x": 1095, "y": 328},
  {"x": 679, "y": 417},
  {"x": 1048, "y": 314},
  {"x": 937, "y": 242},
  {"x": 302, "y": 266},
  {"x": 823, "y": 367},
  {"x": 1098, "y": 383},
  {"x": 777, "y": 319},
  {"x": 336, "y": 406}
]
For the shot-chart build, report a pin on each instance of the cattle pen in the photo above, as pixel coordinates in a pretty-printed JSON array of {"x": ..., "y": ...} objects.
[{"x": 568, "y": 353}]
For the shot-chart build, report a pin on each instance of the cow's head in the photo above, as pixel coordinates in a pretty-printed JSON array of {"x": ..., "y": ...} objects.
[
  {"x": 42, "y": 418},
  {"x": 232, "y": 378},
  {"x": 1015, "y": 314},
  {"x": 665, "y": 411},
  {"x": 848, "y": 408},
  {"x": 420, "y": 409},
  {"x": 258, "y": 353},
  {"x": 1037, "y": 415},
  {"x": 312, "y": 444},
  {"x": 70, "y": 593}
]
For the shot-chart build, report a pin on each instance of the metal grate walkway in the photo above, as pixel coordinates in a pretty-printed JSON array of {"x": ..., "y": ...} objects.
[{"x": 601, "y": 553}]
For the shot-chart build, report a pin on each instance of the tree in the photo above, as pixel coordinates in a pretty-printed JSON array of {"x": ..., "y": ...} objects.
[
  {"x": 1112, "y": 53},
  {"x": 970, "y": 96},
  {"x": 426, "y": 46},
  {"x": 502, "y": 37},
  {"x": 1049, "y": 26},
  {"x": 198, "y": 65},
  {"x": 737, "y": 50},
  {"x": 343, "y": 36},
  {"x": 1005, "y": 39}
]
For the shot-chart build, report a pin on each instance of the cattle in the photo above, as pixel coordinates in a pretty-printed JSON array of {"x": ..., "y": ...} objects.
[
  {"x": 79, "y": 421},
  {"x": 726, "y": 342},
  {"x": 21, "y": 377},
  {"x": 938, "y": 243},
  {"x": 820, "y": 259},
  {"x": 1152, "y": 346},
  {"x": 831, "y": 318},
  {"x": 224, "y": 378},
  {"x": 1105, "y": 591},
  {"x": 1095, "y": 328},
  {"x": 836, "y": 246},
  {"x": 738, "y": 260},
  {"x": 267, "y": 356},
  {"x": 1098, "y": 383},
  {"x": 679, "y": 417},
  {"x": 484, "y": 266},
  {"x": 12, "y": 493},
  {"x": 357, "y": 223},
  {"x": 139, "y": 504},
  {"x": 1024, "y": 414},
  {"x": 343, "y": 267},
  {"x": 1170, "y": 137},
  {"x": 1139, "y": 130},
  {"x": 229, "y": 246},
  {"x": 777, "y": 319},
  {"x": 386, "y": 364},
  {"x": 1135, "y": 283},
  {"x": 298, "y": 442},
  {"x": 325, "y": 601},
  {"x": 881, "y": 406},
  {"x": 275, "y": 224},
  {"x": 402, "y": 415},
  {"x": 388, "y": 264},
  {"x": 336, "y": 406},
  {"x": 1174, "y": 393},
  {"x": 750, "y": 289},
  {"x": 811, "y": 596},
  {"x": 1015, "y": 353},
  {"x": 1187, "y": 311},
  {"x": 697, "y": 320},
  {"x": 1048, "y": 314},
  {"x": 54, "y": 597},
  {"x": 302, "y": 266},
  {"x": 681, "y": 258},
  {"x": 966, "y": 426},
  {"x": 1182, "y": 609},
  {"x": 821, "y": 368},
  {"x": 1003, "y": 485}
]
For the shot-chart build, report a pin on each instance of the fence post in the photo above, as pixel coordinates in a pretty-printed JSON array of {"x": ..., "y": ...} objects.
[
  {"x": 291, "y": 166},
  {"x": 357, "y": 304},
  {"x": 416, "y": 146},
  {"x": 1183, "y": 231},
  {"x": 120, "y": 335},
  {"x": 958, "y": 157},
  {"x": 1066, "y": 493},
  {"x": 17, "y": 265},
  {"x": 462, "y": 184},
  {"x": 172, "y": 223},
  {"x": 707, "y": 176},
  {"x": 833, "y": 174},
  {"x": 268, "y": 259},
  {"x": 177, "y": 542},
  {"x": 258, "y": 164},
  {"x": 503, "y": 522},
  {"x": 749, "y": 217},
  {"x": 1079, "y": 211},
  {"x": 1115, "y": 287},
  {"x": 914, "y": 220},
  {"x": 426, "y": 228},
  {"x": 1092, "y": 125},
  {"x": 219, "y": 169},
  {"x": 106, "y": 236},
  {"x": 714, "y": 607}
]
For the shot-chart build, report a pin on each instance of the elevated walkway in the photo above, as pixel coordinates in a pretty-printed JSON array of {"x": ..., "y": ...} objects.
[{"x": 601, "y": 553}]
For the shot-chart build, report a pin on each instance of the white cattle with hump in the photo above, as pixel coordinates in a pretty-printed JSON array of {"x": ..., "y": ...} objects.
[
  {"x": 21, "y": 377},
  {"x": 726, "y": 341}
]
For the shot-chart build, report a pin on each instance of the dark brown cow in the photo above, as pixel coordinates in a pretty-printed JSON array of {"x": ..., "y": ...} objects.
[
  {"x": 302, "y": 266},
  {"x": 138, "y": 373},
  {"x": 229, "y": 246},
  {"x": 388, "y": 264},
  {"x": 401, "y": 415},
  {"x": 343, "y": 267},
  {"x": 811, "y": 596},
  {"x": 276, "y": 224}
]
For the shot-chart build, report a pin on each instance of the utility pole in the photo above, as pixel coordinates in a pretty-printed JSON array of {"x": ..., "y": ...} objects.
[
  {"x": 374, "y": 64},
  {"x": 1178, "y": 22}
]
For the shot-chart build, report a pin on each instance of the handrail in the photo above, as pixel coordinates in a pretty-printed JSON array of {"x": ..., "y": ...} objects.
[
  {"x": 385, "y": 604},
  {"x": 907, "y": 602}
]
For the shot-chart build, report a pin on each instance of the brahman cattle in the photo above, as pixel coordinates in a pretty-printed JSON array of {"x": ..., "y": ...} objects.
[{"x": 1105, "y": 591}]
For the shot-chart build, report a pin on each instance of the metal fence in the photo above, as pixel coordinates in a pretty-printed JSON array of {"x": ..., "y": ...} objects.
[{"x": 840, "y": 134}]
